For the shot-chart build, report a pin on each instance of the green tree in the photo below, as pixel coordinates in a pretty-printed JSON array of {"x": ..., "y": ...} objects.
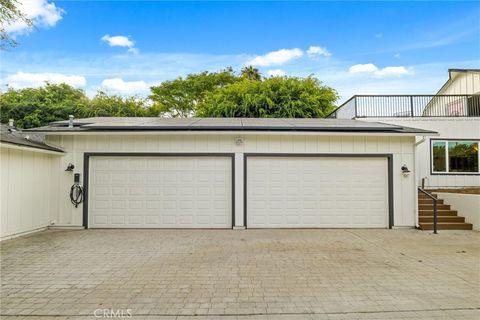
[
  {"x": 103, "y": 105},
  {"x": 33, "y": 107},
  {"x": 251, "y": 73},
  {"x": 180, "y": 97},
  {"x": 9, "y": 13},
  {"x": 275, "y": 97}
]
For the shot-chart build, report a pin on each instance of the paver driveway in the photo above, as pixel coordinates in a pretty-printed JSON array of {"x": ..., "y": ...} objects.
[{"x": 312, "y": 274}]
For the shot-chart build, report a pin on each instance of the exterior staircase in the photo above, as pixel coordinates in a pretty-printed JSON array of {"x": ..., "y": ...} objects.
[{"x": 447, "y": 219}]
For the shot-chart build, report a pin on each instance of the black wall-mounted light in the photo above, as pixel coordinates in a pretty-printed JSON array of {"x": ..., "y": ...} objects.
[
  {"x": 70, "y": 167},
  {"x": 405, "y": 170}
]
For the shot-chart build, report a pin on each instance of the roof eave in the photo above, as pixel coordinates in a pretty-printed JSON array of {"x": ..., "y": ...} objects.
[
  {"x": 39, "y": 148},
  {"x": 169, "y": 131}
]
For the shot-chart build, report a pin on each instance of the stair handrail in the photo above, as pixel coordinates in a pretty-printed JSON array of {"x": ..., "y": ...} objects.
[{"x": 434, "y": 200}]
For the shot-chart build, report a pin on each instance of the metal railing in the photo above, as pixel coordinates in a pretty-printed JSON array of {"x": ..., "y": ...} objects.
[
  {"x": 434, "y": 200},
  {"x": 385, "y": 106}
]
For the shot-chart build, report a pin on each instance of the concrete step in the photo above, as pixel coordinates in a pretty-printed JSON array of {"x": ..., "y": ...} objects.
[
  {"x": 446, "y": 226},
  {"x": 439, "y": 212},
  {"x": 427, "y": 219}
]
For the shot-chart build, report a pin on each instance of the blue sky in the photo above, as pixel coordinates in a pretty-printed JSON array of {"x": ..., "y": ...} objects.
[{"x": 355, "y": 47}]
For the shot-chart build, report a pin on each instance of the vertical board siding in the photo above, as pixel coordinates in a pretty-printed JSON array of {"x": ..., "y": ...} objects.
[
  {"x": 335, "y": 144},
  {"x": 4, "y": 181},
  {"x": 447, "y": 128},
  {"x": 26, "y": 193},
  {"x": 464, "y": 83},
  {"x": 75, "y": 146}
]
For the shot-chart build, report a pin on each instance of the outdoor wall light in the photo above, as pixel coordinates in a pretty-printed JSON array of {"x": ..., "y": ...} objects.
[
  {"x": 405, "y": 170},
  {"x": 238, "y": 141},
  {"x": 70, "y": 167}
]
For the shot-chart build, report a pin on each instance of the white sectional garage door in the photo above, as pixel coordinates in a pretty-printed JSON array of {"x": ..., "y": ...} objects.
[
  {"x": 160, "y": 192},
  {"x": 317, "y": 192}
]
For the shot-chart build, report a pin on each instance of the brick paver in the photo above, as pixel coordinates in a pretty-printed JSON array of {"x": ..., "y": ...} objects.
[{"x": 242, "y": 274}]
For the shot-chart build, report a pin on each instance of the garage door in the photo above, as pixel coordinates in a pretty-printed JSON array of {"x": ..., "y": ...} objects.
[
  {"x": 317, "y": 192},
  {"x": 160, "y": 192}
]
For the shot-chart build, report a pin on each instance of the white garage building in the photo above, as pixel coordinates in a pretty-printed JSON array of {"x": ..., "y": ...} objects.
[
  {"x": 224, "y": 173},
  {"x": 25, "y": 184}
]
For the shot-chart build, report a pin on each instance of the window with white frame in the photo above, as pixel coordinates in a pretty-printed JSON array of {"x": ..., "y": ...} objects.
[{"x": 455, "y": 156}]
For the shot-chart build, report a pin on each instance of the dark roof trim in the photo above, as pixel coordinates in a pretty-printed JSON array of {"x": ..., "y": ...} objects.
[
  {"x": 31, "y": 146},
  {"x": 14, "y": 136},
  {"x": 224, "y": 124},
  {"x": 259, "y": 129},
  {"x": 463, "y": 70}
]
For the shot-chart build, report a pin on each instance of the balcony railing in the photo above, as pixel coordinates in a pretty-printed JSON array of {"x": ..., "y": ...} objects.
[{"x": 386, "y": 106}]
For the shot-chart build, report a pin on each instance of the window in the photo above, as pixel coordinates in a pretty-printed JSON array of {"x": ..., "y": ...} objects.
[
  {"x": 439, "y": 156},
  {"x": 455, "y": 156}
]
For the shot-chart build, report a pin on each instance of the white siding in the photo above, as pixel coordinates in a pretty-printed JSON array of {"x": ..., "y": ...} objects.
[
  {"x": 462, "y": 83},
  {"x": 448, "y": 128},
  {"x": 75, "y": 146},
  {"x": 26, "y": 190}
]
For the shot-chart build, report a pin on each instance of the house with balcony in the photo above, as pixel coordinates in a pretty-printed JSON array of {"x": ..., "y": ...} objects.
[{"x": 449, "y": 159}]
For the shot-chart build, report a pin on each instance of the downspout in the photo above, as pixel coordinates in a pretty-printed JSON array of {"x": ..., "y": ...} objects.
[
  {"x": 421, "y": 141},
  {"x": 416, "y": 180}
]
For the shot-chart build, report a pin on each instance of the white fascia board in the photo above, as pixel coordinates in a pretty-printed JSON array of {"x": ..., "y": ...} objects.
[{"x": 30, "y": 149}]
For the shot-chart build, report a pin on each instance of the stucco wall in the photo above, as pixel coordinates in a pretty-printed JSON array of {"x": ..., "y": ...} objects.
[
  {"x": 26, "y": 190},
  {"x": 402, "y": 149},
  {"x": 448, "y": 128},
  {"x": 467, "y": 205}
]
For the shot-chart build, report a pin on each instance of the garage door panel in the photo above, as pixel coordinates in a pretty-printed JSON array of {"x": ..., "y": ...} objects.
[
  {"x": 317, "y": 192},
  {"x": 115, "y": 177},
  {"x": 101, "y": 191},
  {"x": 118, "y": 191},
  {"x": 134, "y": 220},
  {"x": 100, "y": 219},
  {"x": 160, "y": 192},
  {"x": 102, "y": 178},
  {"x": 101, "y": 204}
]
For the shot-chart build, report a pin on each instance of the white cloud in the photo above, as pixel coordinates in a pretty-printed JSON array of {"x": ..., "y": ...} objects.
[
  {"x": 276, "y": 57},
  {"x": 133, "y": 50},
  {"x": 276, "y": 73},
  {"x": 315, "y": 51},
  {"x": 118, "y": 85},
  {"x": 363, "y": 68},
  {"x": 397, "y": 55},
  {"x": 21, "y": 80},
  {"x": 121, "y": 41},
  {"x": 334, "y": 72},
  {"x": 43, "y": 14},
  {"x": 370, "y": 68},
  {"x": 393, "y": 71},
  {"x": 118, "y": 41}
]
